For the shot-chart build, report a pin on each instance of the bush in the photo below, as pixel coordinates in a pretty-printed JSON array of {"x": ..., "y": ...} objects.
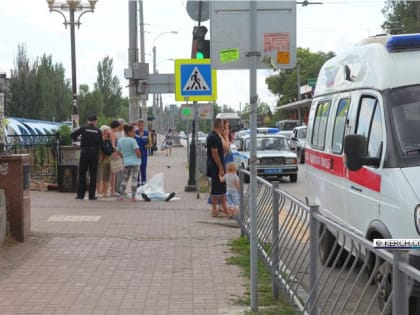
[{"x": 65, "y": 135}]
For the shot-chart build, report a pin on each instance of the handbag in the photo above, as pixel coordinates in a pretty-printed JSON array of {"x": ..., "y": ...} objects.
[
  {"x": 107, "y": 148},
  {"x": 117, "y": 164}
]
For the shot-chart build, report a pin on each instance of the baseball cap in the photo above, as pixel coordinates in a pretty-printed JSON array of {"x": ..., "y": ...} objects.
[{"x": 92, "y": 118}]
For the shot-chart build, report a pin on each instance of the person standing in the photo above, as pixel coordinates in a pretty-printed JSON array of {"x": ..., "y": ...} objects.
[
  {"x": 142, "y": 138},
  {"x": 153, "y": 141},
  {"x": 115, "y": 134},
  {"x": 119, "y": 133},
  {"x": 130, "y": 152},
  {"x": 104, "y": 166},
  {"x": 215, "y": 167},
  {"x": 90, "y": 143},
  {"x": 232, "y": 188}
]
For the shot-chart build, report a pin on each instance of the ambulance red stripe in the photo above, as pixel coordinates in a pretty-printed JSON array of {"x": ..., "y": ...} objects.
[{"x": 334, "y": 165}]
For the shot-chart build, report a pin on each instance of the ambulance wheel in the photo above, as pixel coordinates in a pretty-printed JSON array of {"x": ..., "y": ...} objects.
[
  {"x": 327, "y": 244},
  {"x": 384, "y": 271}
]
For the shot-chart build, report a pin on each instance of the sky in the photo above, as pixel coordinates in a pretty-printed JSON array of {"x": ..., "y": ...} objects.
[{"x": 332, "y": 26}]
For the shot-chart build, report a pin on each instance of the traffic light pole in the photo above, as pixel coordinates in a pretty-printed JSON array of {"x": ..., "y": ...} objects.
[
  {"x": 192, "y": 182},
  {"x": 253, "y": 57}
]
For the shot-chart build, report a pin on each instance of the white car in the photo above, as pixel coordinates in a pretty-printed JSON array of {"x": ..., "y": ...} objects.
[
  {"x": 274, "y": 158},
  {"x": 298, "y": 142}
]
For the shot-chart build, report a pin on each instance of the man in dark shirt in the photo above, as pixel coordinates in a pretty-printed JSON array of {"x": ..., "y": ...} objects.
[
  {"x": 216, "y": 168},
  {"x": 90, "y": 143}
]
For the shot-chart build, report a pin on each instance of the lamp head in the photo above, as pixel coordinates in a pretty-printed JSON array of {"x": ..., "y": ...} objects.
[
  {"x": 50, "y": 3},
  {"x": 73, "y": 4},
  {"x": 92, "y": 4}
]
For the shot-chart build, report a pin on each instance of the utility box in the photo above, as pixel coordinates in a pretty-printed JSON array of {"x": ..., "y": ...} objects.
[
  {"x": 15, "y": 178},
  {"x": 68, "y": 168},
  {"x": 67, "y": 178}
]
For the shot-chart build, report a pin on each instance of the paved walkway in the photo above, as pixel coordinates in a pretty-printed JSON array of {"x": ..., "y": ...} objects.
[{"x": 152, "y": 258}]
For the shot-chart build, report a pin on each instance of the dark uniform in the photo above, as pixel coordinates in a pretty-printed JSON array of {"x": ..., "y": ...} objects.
[{"x": 91, "y": 140}]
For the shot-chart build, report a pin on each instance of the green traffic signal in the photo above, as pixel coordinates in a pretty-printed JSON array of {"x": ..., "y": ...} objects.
[{"x": 199, "y": 55}]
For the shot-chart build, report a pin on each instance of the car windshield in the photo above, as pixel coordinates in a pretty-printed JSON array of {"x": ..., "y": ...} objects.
[
  {"x": 268, "y": 143},
  {"x": 406, "y": 117},
  {"x": 287, "y": 134}
]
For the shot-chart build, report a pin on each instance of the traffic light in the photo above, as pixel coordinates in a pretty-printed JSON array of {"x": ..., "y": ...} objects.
[
  {"x": 203, "y": 49},
  {"x": 201, "y": 46}
]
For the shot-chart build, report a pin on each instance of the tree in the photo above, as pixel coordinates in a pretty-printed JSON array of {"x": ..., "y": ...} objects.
[
  {"x": 22, "y": 85},
  {"x": 109, "y": 86},
  {"x": 285, "y": 83},
  {"x": 38, "y": 89},
  {"x": 90, "y": 103},
  {"x": 264, "y": 113},
  {"x": 401, "y": 17},
  {"x": 53, "y": 97}
]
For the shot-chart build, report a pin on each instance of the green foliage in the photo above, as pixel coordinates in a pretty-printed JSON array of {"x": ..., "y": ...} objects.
[
  {"x": 65, "y": 135},
  {"x": 38, "y": 89},
  {"x": 264, "y": 114},
  {"x": 241, "y": 249},
  {"x": 109, "y": 86},
  {"x": 90, "y": 103},
  {"x": 285, "y": 84},
  {"x": 401, "y": 17}
]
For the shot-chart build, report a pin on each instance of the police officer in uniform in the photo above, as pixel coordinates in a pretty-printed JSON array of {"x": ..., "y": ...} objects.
[{"x": 90, "y": 143}]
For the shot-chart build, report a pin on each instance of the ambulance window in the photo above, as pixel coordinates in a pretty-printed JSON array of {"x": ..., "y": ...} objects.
[
  {"x": 375, "y": 138},
  {"x": 339, "y": 125},
  {"x": 320, "y": 124},
  {"x": 370, "y": 125}
]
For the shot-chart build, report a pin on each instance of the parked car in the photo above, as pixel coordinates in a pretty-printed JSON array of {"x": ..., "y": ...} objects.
[
  {"x": 298, "y": 142},
  {"x": 274, "y": 158}
]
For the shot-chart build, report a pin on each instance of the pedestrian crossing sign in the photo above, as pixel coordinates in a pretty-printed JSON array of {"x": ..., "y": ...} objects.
[{"x": 195, "y": 80}]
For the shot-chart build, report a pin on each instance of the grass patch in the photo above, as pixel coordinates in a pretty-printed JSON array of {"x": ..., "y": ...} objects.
[{"x": 241, "y": 250}]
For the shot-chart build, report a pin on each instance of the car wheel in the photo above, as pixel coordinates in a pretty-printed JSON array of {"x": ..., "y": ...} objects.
[
  {"x": 302, "y": 156},
  {"x": 293, "y": 178}
]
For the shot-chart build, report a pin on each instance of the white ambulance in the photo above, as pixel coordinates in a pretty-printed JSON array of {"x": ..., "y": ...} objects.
[{"x": 363, "y": 142}]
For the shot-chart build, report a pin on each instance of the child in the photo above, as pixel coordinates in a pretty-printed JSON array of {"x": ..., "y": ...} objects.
[{"x": 232, "y": 189}]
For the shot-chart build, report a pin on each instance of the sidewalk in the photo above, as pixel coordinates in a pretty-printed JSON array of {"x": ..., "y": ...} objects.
[{"x": 112, "y": 257}]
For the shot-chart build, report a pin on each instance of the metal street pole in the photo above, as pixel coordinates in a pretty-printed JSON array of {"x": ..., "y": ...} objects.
[
  {"x": 133, "y": 108},
  {"x": 154, "y": 94},
  {"x": 298, "y": 88},
  {"x": 253, "y": 55},
  {"x": 71, "y": 6},
  {"x": 142, "y": 60},
  {"x": 74, "y": 112},
  {"x": 192, "y": 183}
]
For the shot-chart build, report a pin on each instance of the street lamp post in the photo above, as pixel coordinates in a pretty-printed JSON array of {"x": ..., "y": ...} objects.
[{"x": 72, "y": 6}]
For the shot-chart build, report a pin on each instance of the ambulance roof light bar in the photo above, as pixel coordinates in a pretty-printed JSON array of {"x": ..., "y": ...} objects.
[{"x": 397, "y": 43}]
